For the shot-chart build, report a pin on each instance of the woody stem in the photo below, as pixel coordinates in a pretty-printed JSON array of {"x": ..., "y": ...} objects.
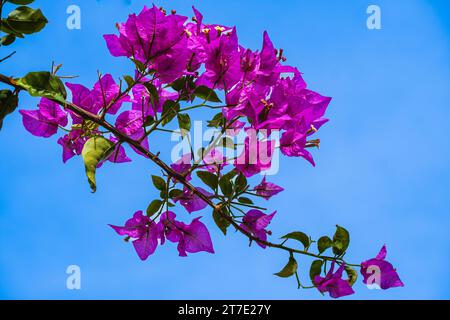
[{"x": 173, "y": 174}]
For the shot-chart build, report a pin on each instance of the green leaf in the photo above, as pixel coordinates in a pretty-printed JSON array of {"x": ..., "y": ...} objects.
[
  {"x": 352, "y": 275},
  {"x": 139, "y": 65},
  {"x": 226, "y": 186},
  {"x": 289, "y": 269},
  {"x": 159, "y": 183},
  {"x": 149, "y": 120},
  {"x": 184, "y": 121},
  {"x": 341, "y": 240},
  {"x": 95, "y": 151},
  {"x": 153, "y": 207},
  {"x": 299, "y": 236},
  {"x": 316, "y": 269},
  {"x": 163, "y": 194},
  {"x": 184, "y": 86},
  {"x": 129, "y": 80},
  {"x": 245, "y": 200},
  {"x": 230, "y": 175},
  {"x": 208, "y": 178},
  {"x": 217, "y": 121},
  {"x": 43, "y": 84},
  {"x": 183, "y": 83},
  {"x": 205, "y": 93},
  {"x": 8, "y": 103},
  {"x": 20, "y": 2},
  {"x": 26, "y": 20},
  {"x": 170, "y": 110},
  {"x": 152, "y": 90},
  {"x": 5, "y": 27},
  {"x": 241, "y": 183},
  {"x": 175, "y": 193},
  {"x": 7, "y": 40},
  {"x": 179, "y": 84},
  {"x": 225, "y": 183},
  {"x": 220, "y": 221},
  {"x": 324, "y": 243}
]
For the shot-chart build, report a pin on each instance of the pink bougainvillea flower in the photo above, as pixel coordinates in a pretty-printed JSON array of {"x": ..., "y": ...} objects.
[
  {"x": 333, "y": 283},
  {"x": 250, "y": 63},
  {"x": 142, "y": 101},
  {"x": 72, "y": 144},
  {"x": 160, "y": 31},
  {"x": 155, "y": 39},
  {"x": 292, "y": 144},
  {"x": 381, "y": 272},
  {"x": 44, "y": 122},
  {"x": 201, "y": 39},
  {"x": 256, "y": 156},
  {"x": 267, "y": 74},
  {"x": 118, "y": 155},
  {"x": 192, "y": 202},
  {"x": 144, "y": 232},
  {"x": 104, "y": 92},
  {"x": 255, "y": 222},
  {"x": 130, "y": 122},
  {"x": 182, "y": 165},
  {"x": 267, "y": 189},
  {"x": 141, "y": 137},
  {"x": 244, "y": 101},
  {"x": 191, "y": 238},
  {"x": 82, "y": 98},
  {"x": 222, "y": 63},
  {"x": 214, "y": 161},
  {"x": 172, "y": 66}
]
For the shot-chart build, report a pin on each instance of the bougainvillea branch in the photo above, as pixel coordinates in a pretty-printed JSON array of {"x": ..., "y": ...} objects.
[
  {"x": 170, "y": 172},
  {"x": 179, "y": 62}
]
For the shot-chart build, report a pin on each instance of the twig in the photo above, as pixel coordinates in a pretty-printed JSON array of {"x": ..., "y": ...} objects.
[{"x": 8, "y": 56}]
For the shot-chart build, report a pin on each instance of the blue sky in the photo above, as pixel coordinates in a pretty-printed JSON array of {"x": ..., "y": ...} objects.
[{"x": 382, "y": 170}]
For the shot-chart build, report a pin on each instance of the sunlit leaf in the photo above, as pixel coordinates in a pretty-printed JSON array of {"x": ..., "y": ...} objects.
[
  {"x": 26, "y": 20},
  {"x": 289, "y": 269},
  {"x": 43, "y": 84},
  {"x": 95, "y": 151}
]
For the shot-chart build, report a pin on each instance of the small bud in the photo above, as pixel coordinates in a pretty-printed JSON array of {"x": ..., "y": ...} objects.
[
  {"x": 280, "y": 56},
  {"x": 173, "y": 11},
  {"x": 313, "y": 144}
]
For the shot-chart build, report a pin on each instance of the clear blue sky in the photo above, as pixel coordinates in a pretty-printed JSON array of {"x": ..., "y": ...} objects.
[{"x": 382, "y": 171}]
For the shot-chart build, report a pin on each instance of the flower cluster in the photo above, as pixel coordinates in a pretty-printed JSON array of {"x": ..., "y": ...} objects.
[
  {"x": 176, "y": 62},
  {"x": 146, "y": 233}
]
